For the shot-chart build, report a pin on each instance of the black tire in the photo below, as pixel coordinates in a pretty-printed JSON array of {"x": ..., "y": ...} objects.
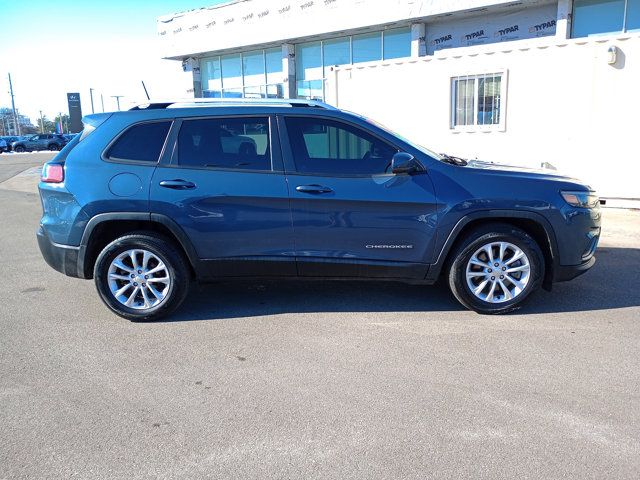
[
  {"x": 474, "y": 240},
  {"x": 20, "y": 149},
  {"x": 54, "y": 147},
  {"x": 164, "y": 249}
]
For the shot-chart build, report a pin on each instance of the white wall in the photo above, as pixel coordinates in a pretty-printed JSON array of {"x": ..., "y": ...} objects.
[
  {"x": 564, "y": 105},
  {"x": 258, "y": 22}
]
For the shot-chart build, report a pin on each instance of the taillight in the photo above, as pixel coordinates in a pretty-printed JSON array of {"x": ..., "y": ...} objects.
[{"x": 52, "y": 173}]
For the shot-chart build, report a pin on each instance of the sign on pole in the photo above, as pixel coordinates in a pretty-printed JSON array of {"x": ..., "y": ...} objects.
[{"x": 75, "y": 112}]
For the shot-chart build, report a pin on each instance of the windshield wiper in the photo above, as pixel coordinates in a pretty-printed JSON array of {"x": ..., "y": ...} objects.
[{"x": 461, "y": 162}]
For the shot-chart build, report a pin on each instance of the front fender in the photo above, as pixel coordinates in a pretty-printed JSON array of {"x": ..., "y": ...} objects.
[{"x": 446, "y": 241}]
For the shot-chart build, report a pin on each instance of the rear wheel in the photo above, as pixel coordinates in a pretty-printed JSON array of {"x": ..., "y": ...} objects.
[
  {"x": 20, "y": 149},
  {"x": 495, "y": 269},
  {"x": 54, "y": 147},
  {"x": 142, "y": 276}
]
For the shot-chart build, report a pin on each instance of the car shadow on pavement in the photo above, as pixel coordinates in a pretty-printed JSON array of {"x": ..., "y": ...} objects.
[
  {"x": 240, "y": 298},
  {"x": 614, "y": 282}
]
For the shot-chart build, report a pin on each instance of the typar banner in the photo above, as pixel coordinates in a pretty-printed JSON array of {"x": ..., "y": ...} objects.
[{"x": 492, "y": 28}]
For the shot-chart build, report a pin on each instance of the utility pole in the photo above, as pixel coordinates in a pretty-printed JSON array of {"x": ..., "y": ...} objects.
[
  {"x": 117, "y": 97},
  {"x": 91, "y": 95},
  {"x": 41, "y": 123},
  {"x": 16, "y": 125},
  {"x": 102, "y": 100}
]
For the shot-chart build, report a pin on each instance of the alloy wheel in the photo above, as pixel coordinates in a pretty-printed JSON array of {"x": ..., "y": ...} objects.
[
  {"x": 139, "y": 279},
  {"x": 498, "y": 272}
]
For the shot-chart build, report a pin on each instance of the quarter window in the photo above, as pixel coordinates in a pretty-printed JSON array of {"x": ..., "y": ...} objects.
[
  {"x": 228, "y": 143},
  {"x": 142, "y": 142},
  {"x": 323, "y": 146},
  {"x": 477, "y": 101}
]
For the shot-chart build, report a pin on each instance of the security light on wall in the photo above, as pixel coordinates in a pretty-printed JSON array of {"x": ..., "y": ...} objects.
[
  {"x": 612, "y": 55},
  {"x": 190, "y": 64}
]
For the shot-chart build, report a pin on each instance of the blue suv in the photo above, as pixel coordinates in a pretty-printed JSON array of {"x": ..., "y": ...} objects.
[{"x": 148, "y": 200}]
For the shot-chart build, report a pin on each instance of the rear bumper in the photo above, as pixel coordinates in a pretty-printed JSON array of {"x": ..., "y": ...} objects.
[
  {"x": 63, "y": 258},
  {"x": 563, "y": 273}
]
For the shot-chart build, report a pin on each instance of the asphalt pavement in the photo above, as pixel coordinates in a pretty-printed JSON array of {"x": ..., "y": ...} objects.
[{"x": 261, "y": 380}]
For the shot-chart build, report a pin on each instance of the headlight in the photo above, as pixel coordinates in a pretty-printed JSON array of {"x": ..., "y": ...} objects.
[{"x": 581, "y": 199}]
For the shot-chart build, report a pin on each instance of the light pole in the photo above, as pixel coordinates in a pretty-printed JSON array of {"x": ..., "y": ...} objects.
[
  {"x": 117, "y": 97},
  {"x": 16, "y": 125},
  {"x": 41, "y": 123},
  {"x": 102, "y": 101},
  {"x": 91, "y": 95}
]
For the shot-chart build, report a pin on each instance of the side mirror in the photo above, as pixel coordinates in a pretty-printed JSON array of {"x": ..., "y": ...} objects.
[{"x": 404, "y": 162}]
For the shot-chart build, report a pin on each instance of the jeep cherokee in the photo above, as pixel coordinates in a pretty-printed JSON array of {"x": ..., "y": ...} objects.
[{"x": 147, "y": 200}]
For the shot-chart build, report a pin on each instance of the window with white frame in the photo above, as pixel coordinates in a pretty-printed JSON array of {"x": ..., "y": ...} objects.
[{"x": 478, "y": 101}]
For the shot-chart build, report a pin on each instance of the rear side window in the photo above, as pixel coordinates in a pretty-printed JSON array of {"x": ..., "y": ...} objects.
[
  {"x": 142, "y": 142},
  {"x": 228, "y": 143}
]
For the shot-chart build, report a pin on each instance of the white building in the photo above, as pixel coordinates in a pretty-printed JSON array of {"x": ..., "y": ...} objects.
[{"x": 530, "y": 82}]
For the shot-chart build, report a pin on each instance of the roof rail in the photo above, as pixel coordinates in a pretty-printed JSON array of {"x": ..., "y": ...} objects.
[{"x": 231, "y": 102}]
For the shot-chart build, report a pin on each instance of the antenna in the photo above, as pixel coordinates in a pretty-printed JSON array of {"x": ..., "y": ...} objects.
[{"x": 145, "y": 90}]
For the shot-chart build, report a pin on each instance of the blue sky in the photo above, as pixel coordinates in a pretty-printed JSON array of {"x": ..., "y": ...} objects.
[{"x": 54, "y": 47}]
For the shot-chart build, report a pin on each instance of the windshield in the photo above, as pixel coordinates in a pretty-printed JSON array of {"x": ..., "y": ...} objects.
[{"x": 417, "y": 146}]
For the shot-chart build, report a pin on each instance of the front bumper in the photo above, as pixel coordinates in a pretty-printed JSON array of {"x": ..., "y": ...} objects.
[
  {"x": 564, "y": 273},
  {"x": 63, "y": 258}
]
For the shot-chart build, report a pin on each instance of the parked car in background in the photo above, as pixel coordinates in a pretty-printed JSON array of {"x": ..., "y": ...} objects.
[
  {"x": 10, "y": 140},
  {"x": 147, "y": 200},
  {"x": 3, "y": 145},
  {"x": 43, "y": 141}
]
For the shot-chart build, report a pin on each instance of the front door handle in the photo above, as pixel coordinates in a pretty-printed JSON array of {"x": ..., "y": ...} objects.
[
  {"x": 177, "y": 184},
  {"x": 315, "y": 189}
]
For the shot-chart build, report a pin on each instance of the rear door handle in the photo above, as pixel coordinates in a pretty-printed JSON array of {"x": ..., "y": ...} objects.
[
  {"x": 315, "y": 189},
  {"x": 177, "y": 184}
]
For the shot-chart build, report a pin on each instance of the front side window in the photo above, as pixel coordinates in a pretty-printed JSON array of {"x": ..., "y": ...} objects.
[
  {"x": 323, "y": 146},
  {"x": 141, "y": 143},
  {"x": 227, "y": 143},
  {"x": 477, "y": 101}
]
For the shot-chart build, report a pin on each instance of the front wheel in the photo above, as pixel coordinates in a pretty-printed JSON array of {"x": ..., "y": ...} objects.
[
  {"x": 142, "y": 276},
  {"x": 54, "y": 147},
  {"x": 495, "y": 268},
  {"x": 20, "y": 149}
]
